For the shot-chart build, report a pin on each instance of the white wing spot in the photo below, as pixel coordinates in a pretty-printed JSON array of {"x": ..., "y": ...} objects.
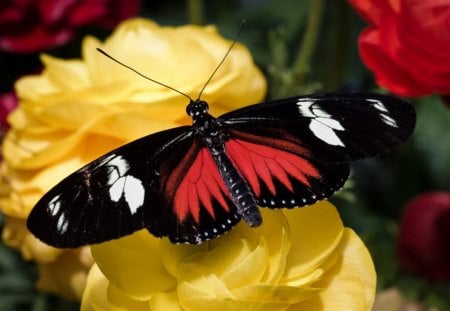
[
  {"x": 320, "y": 113},
  {"x": 118, "y": 167},
  {"x": 54, "y": 206},
  {"x": 325, "y": 133},
  {"x": 62, "y": 224},
  {"x": 322, "y": 125},
  {"x": 330, "y": 123},
  {"x": 383, "y": 112},
  {"x": 305, "y": 108},
  {"x": 131, "y": 189},
  {"x": 388, "y": 120},
  {"x": 378, "y": 105}
]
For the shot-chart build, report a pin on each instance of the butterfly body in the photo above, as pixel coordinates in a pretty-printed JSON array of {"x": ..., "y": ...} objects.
[
  {"x": 193, "y": 183},
  {"x": 211, "y": 132}
]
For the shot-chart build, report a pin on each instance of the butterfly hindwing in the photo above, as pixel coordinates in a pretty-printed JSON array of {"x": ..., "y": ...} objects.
[
  {"x": 195, "y": 203},
  {"x": 281, "y": 173},
  {"x": 335, "y": 127}
]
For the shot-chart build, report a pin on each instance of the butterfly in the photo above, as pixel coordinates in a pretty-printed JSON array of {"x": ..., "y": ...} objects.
[{"x": 194, "y": 183}]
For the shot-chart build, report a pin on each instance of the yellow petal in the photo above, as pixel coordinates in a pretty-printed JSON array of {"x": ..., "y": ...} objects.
[
  {"x": 66, "y": 275},
  {"x": 120, "y": 301},
  {"x": 206, "y": 292},
  {"x": 33, "y": 158},
  {"x": 276, "y": 232},
  {"x": 315, "y": 232},
  {"x": 123, "y": 261},
  {"x": 278, "y": 294},
  {"x": 173, "y": 255},
  {"x": 350, "y": 284},
  {"x": 32, "y": 87},
  {"x": 65, "y": 74},
  {"x": 237, "y": 262},
  {"x": 94, "y": 296},
  {"x": 100, "y": 295},
  {"x": 143, "y": 124},
  {"x": 165, "y": 302}
]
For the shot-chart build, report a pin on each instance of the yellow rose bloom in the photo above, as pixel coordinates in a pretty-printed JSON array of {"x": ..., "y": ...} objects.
[
  {"x": 300, "y": 259},
  {"x": 77, "y": 110}
]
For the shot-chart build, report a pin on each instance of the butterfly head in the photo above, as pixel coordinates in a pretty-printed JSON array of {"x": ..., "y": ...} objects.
[{"x": 197, "y": 109}]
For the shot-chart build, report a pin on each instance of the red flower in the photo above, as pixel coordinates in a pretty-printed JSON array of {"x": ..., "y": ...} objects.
[
  {"x": 28, "y": 26},
  {"x": 407, "y": 44},
  {"x": 424, "y": 241}
]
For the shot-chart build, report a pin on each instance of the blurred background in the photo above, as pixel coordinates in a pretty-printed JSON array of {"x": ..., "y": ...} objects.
[{"x": 399, "y": 203}]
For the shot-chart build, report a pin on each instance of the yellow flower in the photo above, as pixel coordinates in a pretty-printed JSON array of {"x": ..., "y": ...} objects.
[
  {"x": 76, "y": 110},
  {"x": 301, "y": 259}
]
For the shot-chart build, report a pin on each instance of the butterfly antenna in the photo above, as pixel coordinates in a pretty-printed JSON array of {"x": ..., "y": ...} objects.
[
  {"x": 142, "y": 75},
  {"x": 223, "y": 59}
]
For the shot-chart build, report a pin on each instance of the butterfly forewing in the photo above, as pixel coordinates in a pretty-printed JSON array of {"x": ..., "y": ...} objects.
[
  {"x": 334, "y": 127},
  {"x": 113, "y": 196}
]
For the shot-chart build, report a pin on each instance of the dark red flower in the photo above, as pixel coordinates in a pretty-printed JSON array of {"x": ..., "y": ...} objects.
[
  {"x": 8, "y": 101},
  {"x": 424, "y": 240},
  {"x": 28, "y": 26},
  {"x": 407, "y": 44}
]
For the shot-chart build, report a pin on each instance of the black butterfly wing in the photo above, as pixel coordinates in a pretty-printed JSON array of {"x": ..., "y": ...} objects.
[
  {"x": 336, "y": 127},
  {"x": 110, "y": 197},
  {"x": 295, "y": 151},
  {"x": 165, "y": 182}
]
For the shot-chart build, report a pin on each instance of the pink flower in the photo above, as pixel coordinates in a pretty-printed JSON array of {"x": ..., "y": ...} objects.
[{"x": 28, "y": 26}]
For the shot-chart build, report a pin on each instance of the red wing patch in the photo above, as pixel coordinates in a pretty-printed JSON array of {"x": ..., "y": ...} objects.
[
  {"x": 199, "y": 187},
  {"x": 281, "y": 172},
  {"x": 263, "y": 163}
]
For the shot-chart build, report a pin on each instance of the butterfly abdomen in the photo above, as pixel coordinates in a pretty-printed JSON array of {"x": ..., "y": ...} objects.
[{"x": 239, "y": 190}]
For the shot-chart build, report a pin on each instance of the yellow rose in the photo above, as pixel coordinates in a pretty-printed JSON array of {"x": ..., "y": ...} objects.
[
  {"x": 301, "y": 259},
  {"x": 76, "y": 110}
]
